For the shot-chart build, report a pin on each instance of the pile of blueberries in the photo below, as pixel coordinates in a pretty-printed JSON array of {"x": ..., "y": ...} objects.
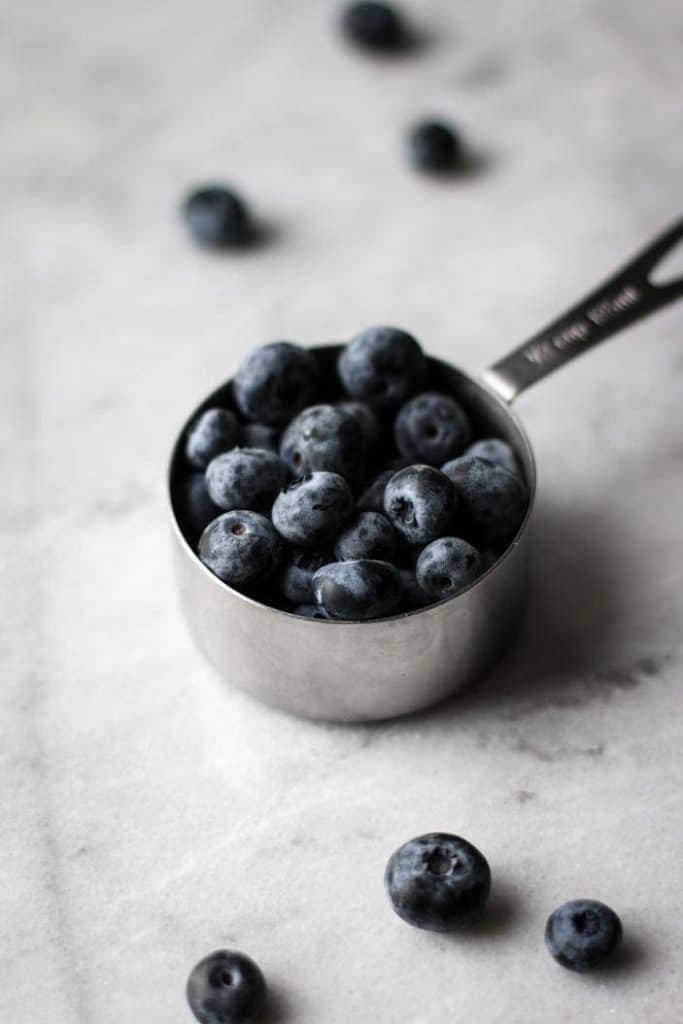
[
  {"x": 438, "y": 882},
  {"x": 350, "y": 494}
]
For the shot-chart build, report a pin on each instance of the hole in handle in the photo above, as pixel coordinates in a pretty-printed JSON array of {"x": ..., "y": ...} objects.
[{"x": 669, "y": 270}]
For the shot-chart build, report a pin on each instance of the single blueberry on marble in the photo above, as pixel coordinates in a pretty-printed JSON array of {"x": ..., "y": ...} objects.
[
  {"x": 434, "y": 147},
  {"x": 438, "y": 882},
  {"x": 582, "y": 934},
  {"x": 275, "y": 382},
  {"x": 372, "y": 25},
  {"x": 217, "y": 217},
  {"x": 226, "y": 987}
]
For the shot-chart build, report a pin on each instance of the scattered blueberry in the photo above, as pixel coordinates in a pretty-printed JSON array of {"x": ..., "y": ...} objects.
[
  {"x": 446, "y": 566},
  {"x": 383, "y": 366},
  {"x": 275, "y": 382},
  {"x": 214, "y": 431},
  {"x": 241, "y": 548},
  {"x": 412, "y": 594},
  {"x": 248, "y": 478},
  {"x": 372, "y": 498},
  {"x": 310, "y": 512},
  {"x": 497, "y": 451},
  {"x": 434, "y": 147},
  {"x": 431, "y": 428},
  {"x": 311, "y": 611},
  {"x": 194, "y": 507},
  {"x": 363, "y": 589},
  {"x": 420, "y": 502},
  {"x": 494, "y": 499},
  {"x": 581, "y": 934},
  {"x": 367, "y": 535},
  {"x": 217, "y": 217},
  {"x": 327, "y": 438},
  {"x": 367, "y": 420},
  {"x": 438, "y": 882},
  {"x": 298, "y": 572},
  {"x": 259, "y": 435},
  {"x": 226, "y": 987},
  {"x": 375, "y": 26}
]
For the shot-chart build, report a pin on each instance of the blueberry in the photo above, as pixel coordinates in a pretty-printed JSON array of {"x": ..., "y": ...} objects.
[
  {"x": 276, "y": 382},
  {"x": 367, "y": 535},
  {"x": 372, "y": 498},
  {"x": 438, "y": 882},
  {"x": 448, "y": 565},
  {"x": 241, "y": 548},
  {"x": 324, "y": 437},
  {"x": 311, "y": 510},
  {"x": 297, "y": 575},
  {"x": 497, "y": 451},
  {"x": 581, "y": 934},
  {"x": 431, "y": 428},
  {"x": 383, "y": 366},
  {"x": 367, "y": 420},
  {"x": 311, "y": 611},
  {"x": 434, "y": 147},
  {"x": 412, "y": 594},
  {"x": 214, "y": 431},
  {"x": 259, "y": 435},
  {"x": 217, "y": 217},
  {"x": 494, "y": 499},
  {"x": 375, "y": 26},
  {"x": 194, "y": 507},
  {"x": 226, "y": 987},
  {"x": 247, "y": 478},
  {"x": 363, "y": 589},
  {"x": 420, "y": 502}
]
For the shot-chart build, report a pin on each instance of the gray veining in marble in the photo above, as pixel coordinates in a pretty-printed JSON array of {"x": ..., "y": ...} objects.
[{"x": 148, "y": 814}]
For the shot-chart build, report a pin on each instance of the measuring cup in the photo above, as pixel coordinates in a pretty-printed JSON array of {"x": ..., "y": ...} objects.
[{"x": 360, "y": 671}]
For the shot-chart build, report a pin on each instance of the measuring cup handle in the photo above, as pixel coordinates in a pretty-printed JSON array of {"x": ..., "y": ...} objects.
[{"x": 626, "y": 297}]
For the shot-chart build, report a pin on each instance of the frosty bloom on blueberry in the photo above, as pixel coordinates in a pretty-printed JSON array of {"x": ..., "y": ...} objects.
[
  {"x": 382, "y": 366},
  {"x": 581, "y": 934},
  {"x": 494, "y": 499},
  {"x": 226, "y": 987},
  {"x": 311, "y": 510},
  {"x": 420, "y": 502},
  {"x": 246, "y": 478},
  {"x": 276, "y": 382},
  {"x": 431, "y": 428},
  {"x": 324, "y": 437},
  {"x": 213, "y": 432},
  {"x": 438, "y": 882},
  {"x": 241, "y": 547}
]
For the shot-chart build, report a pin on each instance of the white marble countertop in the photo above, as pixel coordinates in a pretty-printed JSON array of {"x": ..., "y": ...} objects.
[{"x": 149, "y": 814}]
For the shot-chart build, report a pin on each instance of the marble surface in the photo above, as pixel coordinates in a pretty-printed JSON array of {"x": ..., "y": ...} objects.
[{"x": 149, "y": 814}]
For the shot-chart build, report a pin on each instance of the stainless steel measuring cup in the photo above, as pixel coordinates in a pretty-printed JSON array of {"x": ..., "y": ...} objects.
[{"x": 359, "y": 671}]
